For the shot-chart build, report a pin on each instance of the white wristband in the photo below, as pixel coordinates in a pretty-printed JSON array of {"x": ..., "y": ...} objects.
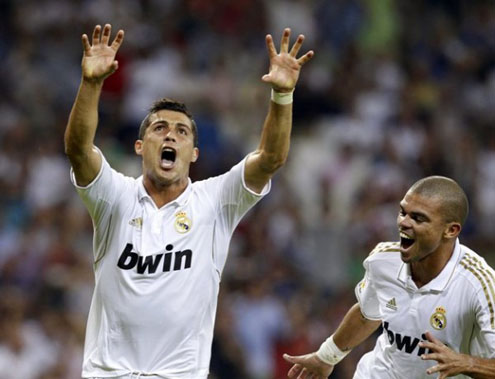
[
  {"x": 330, "y": 353},
  {"x": 282, "y": 98}
]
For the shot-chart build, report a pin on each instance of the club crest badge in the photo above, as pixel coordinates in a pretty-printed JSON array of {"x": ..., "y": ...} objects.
[
  {"x": 438, "y": 319},
  {"x": 137, "y": 222},
  {"x": 182, "y": 223},
  {"x": 362, "y": 285}
]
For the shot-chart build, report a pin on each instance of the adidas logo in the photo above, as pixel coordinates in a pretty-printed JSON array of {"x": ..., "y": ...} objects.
[{"x": 392, "y": 304}]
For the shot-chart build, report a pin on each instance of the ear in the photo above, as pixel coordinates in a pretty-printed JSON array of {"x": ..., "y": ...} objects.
[
  {"x": 138, "y": 147},
  {"x": 452, "y": 230},
  {"x": 195, "y": 155}
]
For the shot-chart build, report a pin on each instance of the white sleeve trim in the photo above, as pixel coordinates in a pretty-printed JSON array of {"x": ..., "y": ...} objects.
[
  {"x": 73, "y": 177},
  {"x": 364, "y": 300},
  {"x": 366, "y": 316},
  {"x": 266, "y": 189}
]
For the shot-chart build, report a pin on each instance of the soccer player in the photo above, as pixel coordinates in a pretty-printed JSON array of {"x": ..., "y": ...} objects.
[
  {"x": 160, "y": 241},
  {"x": 434, "y": 297}
]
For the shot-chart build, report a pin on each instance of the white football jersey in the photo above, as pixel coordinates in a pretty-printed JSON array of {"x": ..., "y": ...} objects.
[
  {"x": 157, "y": 273},
  {"x": 457, "y": 307}
]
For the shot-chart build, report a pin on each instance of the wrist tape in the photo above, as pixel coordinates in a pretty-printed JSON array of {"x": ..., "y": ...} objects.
[
  {"x": 330, "y": 353},
  {"x": 282, "y": 98}
]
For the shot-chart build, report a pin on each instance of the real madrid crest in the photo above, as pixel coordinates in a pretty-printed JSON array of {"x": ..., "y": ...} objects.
[
  {"x": 182, "y": 223},
  {"x": 438, "y": 320},
  {"x": 362, "y": 285},
  {"x": 137, "y": 222}
]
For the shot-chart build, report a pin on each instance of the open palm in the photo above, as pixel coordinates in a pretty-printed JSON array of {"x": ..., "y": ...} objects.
[
  {"x": 285, "y": 66},
  {"x": 99, "y": 57}
]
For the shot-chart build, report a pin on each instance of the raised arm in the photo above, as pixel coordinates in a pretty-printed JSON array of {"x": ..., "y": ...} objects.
[
  {"x": 353, "y": 330},
  {"x": 274, "y": 145},
  {"x": 97, "y": 64}
]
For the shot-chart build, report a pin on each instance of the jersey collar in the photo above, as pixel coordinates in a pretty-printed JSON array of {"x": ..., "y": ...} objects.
[
  {"x": 180, "y": 201},
  {"x": 439, "y": 283}
]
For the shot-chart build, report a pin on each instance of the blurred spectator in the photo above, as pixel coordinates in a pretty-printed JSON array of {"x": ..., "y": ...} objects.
[{"x": 260, "y": 321}]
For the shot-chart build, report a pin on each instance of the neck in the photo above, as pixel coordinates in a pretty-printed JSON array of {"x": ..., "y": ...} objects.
[
  {"x": 164, "y": 193},
  {"x": 428, "y": 268}
]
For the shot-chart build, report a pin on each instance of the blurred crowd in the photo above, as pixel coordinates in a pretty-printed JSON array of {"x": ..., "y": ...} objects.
[{"x": 397, "y": 90}]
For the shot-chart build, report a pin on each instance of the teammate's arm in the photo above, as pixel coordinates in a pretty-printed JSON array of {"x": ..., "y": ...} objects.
[
  {"x": 451, "y": 363},
  {"x": 275, "y": 138},
  {"x": 98, "y": 63},
  {"x": 352, "y": 331}
]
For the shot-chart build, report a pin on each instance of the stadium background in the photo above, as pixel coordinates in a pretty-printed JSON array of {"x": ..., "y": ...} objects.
[{"x": 397, "y": 90}]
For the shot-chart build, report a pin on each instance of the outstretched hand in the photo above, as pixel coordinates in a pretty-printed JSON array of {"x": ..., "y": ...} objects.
[
  {"x": 450, "y": 363},
  {"x": 284, "y": 66},
  {"x": 99, "y": 57},
  {"x": 307, "y": 366}
]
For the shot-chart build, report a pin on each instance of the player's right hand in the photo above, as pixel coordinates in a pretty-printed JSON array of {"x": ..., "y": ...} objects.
[
  {"x": 99, "y": 57},
  {"x": 308, "y": 366}
]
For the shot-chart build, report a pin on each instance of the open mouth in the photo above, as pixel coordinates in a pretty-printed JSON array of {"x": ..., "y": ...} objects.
[
  {"x": 168, "y": 157},
  {"x": 405, "y": 241}
]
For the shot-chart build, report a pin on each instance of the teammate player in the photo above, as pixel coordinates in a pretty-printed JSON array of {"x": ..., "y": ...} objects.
[
  {"x": 160, "y": 241},
  {"x": 434, "y": 297}
]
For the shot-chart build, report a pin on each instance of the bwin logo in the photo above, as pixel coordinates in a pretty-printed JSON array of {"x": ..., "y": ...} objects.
[
  {"x": 404, "y": 343},
  {"x": 149, "y": 264}
]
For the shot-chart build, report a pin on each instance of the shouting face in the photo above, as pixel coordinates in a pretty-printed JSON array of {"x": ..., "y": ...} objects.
[
  {"x": 167, "y": 149},
  {"x": 422, "y": 226}
]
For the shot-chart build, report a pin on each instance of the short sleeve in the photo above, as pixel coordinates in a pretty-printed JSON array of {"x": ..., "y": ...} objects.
[
  {"x": 100, "y": 198},
  {"x": 231, "y": 200},
  {"x": 99, "y": 195},
  {"x": 483, "y": 341},
  {"x": 230, "y": 195},
  {"x": 367, "y": 297}
]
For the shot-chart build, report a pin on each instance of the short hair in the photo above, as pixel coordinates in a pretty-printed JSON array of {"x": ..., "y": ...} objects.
[
  {"x": 455, "y": 205},
  {"x": 172, "y": 105}
]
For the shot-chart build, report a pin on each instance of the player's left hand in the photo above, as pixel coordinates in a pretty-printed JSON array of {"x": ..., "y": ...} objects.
[
  {"x": 307, "y": 366},
  {"x": 285, "y": 66},
  {"x": 450, "y": 363}
]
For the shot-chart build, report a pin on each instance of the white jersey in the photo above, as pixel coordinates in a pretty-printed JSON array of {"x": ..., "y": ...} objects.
[
  {"x": 157, "y": 273},
  {"x": 457, "y": 307}
]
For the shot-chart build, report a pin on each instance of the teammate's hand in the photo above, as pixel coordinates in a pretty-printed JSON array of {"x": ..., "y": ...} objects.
[
  {"x": 284, "y": 66},
  {"x": 450, "y": 363},
  {"x": 308, "y": 366},
  {"x": 99, "y": 58}
]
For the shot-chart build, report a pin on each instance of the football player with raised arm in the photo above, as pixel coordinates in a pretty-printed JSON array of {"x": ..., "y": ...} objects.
[{"x": 160, "y": 241}]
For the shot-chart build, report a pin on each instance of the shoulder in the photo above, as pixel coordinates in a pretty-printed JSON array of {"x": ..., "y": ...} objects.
[
  {"x": 383, "y": 257},
  {"x": 385, "y": 247},
  {"x": 475, "y": 270},
  {"x": 111, "y": 175},
  {"x": 108, "y": 185},
  {"x": 207, "y": 188},
  {"x": 230, "y": 184},
  {"x": 217, "y": 180},
  {"x": 384, "y": 251}
]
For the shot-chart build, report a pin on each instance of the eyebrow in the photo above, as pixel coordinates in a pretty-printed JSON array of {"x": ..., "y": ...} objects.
[
  {"x": 185, "y": 125},
  {"x": 160, "y": 121},
  {"x": 417, "y": 214}
]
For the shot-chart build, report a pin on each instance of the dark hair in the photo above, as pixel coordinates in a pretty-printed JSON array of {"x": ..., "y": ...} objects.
[
  {"x": 455, "y": 205},
  {"x": 172, "y": 105}
]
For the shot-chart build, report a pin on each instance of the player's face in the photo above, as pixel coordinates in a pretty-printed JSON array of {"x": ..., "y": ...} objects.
[
  {"x": 421, "y": 227},
  {"x": 167, "y": 148}
]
